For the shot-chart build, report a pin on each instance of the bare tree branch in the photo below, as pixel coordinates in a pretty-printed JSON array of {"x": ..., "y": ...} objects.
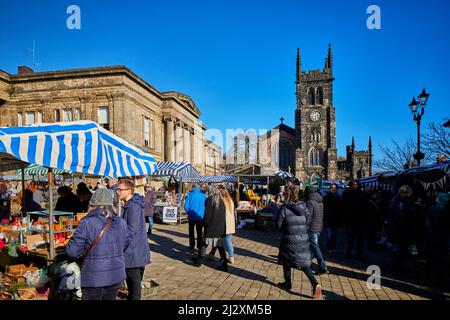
[
  {"x": 436, "y": 140},
  {"x": 396, "y": 156}
]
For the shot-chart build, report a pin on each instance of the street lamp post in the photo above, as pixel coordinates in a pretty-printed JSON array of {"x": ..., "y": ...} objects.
[{"x": 418, "y": 109}]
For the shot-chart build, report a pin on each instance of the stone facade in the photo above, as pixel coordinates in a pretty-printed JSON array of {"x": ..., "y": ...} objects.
[
  {"x": 166, "y": 124},
  {"x": 358, "y": 164},
  {"x": 274, "y": 149},
  {"x": 315, "y": 124}
]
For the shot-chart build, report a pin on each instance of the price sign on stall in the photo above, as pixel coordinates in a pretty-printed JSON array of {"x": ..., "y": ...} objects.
[{"x": 170, "y": 214}]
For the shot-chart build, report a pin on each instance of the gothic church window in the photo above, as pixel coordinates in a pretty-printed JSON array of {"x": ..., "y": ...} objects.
[
  {"x": 311, "y": 97},
  {"x": 315, "y": 135},
  {"x": 320, "y": 95},
  {"x": 314, "y": 157}
]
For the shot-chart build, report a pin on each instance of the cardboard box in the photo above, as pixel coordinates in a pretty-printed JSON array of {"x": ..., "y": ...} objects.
[
  {"x": 12, "y": 235},
  {"x": 34, "y": 240},
  {"x": 5, "y": 228}
]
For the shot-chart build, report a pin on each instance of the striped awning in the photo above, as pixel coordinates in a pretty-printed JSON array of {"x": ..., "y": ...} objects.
[
  {"x": 284, "y": 174},
  {"x": 210, "y": 179},
  {"x": 81, "y": 146},
  {"x": 35, "y": 169},
  {"x": 184, "y": 170}
]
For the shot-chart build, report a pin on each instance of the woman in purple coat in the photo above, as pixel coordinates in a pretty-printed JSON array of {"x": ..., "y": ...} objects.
[{"x": 103, "y": 268}]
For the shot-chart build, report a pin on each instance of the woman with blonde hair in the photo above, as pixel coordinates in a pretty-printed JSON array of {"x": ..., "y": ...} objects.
[{"x": 230, "y": 222}]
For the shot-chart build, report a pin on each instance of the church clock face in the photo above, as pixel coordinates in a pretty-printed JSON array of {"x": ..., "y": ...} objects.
[{"x": 314, "y": 116}]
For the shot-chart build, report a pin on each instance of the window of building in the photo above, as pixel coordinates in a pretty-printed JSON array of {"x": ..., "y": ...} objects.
[
  {"x": 67, "y": 115},
  {"x": 29, "y": 118},
  {"x": 320, "y": 95},
  {"x": 57, "y": 116},
  {"x": 146, "y": 132},
  {"x": 314, "y": 157},
  {"x": 77, "y": 115},
  {"x": 152, "y": 134},
  {"x": 39, "y": 117},
  {"x": 19, "y": 119},
  {"x": 311, "y": 97},
  {"x": 103, "y": 117}
]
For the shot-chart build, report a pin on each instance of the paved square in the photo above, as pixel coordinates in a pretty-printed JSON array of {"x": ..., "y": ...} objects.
[{"x": 255, "y": 274}]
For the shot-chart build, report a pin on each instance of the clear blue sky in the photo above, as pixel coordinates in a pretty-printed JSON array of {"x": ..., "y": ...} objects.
[{"x": 236, "y": 59}]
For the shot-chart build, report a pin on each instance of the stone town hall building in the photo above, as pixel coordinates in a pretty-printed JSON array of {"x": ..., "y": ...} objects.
[
  {"x": 309, "y": 150},
  {"x": 166, "y": 124}
]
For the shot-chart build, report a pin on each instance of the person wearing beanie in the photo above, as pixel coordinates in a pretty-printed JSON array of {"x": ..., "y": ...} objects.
[{"x": 101, "y": 238}]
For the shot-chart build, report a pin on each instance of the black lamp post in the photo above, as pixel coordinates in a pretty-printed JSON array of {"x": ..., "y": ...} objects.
[{"x": 418, "y": 109}]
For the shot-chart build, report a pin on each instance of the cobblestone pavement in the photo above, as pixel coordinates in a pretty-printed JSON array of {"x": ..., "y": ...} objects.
[{"x": 256, "y": 273}]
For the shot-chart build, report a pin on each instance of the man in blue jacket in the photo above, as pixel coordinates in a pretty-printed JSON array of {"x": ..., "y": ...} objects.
[
  {"x": 194, "y": 205},
  {"x": 137, "y": 256}
]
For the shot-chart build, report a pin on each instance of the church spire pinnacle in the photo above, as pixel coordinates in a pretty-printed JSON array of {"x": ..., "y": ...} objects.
[
  {"x": 299, "y": 65},
  {"x": 329, "y": 58}
]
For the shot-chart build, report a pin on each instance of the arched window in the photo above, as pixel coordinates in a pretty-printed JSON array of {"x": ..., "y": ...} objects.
[
  {"x": 314, "y": 157},
  {"x": 311, "y": 96},
  {"x": 320, "y": 95},
  {"x": 315, "y": 135}
]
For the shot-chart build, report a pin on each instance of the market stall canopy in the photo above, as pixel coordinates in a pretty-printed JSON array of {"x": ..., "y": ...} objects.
[
  {"x": 184, "y": 170},
  {"x": 35, "y": 169},
  {"x": 9, "y": 162},
  {"x": 80, "y": 146},
  {"x": 284, "y": 174},
  {"x": 211, "y": 179},
  {"x": 436, "y": 175}
]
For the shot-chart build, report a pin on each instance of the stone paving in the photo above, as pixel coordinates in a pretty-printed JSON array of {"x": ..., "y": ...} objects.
[{"x": 255, "y": 274}]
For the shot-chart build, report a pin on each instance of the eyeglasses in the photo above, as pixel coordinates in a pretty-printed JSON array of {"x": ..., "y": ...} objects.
[{"x": 118, "y": 189}]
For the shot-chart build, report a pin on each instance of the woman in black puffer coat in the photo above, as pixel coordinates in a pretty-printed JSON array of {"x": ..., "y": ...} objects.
[{"x": 293, "y": 222}]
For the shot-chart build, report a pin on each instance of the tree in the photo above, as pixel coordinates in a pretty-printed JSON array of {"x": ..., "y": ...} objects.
[
  {"x": 394, "y": 158},
  {"x": 436, "y": 140}
]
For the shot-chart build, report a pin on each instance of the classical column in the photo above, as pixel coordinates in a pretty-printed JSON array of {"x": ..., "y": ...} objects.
[
  {"x": 186, "y": 145},
  {"x": 192, "y": 146},
  {"x": 169, "y": 139},
  {"x": 178, "y": 142}
]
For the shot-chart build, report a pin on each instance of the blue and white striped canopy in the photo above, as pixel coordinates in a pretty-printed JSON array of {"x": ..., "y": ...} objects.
[
  {"x": 284, "y": 174},
  {"x": 35, "y": 169},
  {"x": 180, "y": 169},
  {"x": 211, "y": 179},
  {"x": 81, "y": 146}
]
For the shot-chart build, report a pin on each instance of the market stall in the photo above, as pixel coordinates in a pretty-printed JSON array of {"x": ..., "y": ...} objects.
[
  {"x": 84, "y": 147},
  {"x": 168, "y": 205}
]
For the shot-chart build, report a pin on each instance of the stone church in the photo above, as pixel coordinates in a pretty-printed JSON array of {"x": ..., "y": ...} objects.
[{"x": 309, "y": 150}]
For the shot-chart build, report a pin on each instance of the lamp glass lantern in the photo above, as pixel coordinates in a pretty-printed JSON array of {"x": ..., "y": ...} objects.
[
  {"x": 414, "y": 105},
  {"x": 423, "y": 98}
]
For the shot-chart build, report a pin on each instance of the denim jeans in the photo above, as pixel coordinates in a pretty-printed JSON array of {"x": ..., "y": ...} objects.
[
  {"x": 229, "y": 244},
  {"x": 315, "y": 249},
  {"x": 150, "y": 224}
]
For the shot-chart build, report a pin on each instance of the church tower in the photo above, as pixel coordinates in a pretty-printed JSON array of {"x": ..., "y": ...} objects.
[{"x": 315, "y": 124}]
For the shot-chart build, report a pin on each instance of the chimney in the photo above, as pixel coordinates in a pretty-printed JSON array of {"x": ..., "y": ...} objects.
[{"x": 24, "y": 70}]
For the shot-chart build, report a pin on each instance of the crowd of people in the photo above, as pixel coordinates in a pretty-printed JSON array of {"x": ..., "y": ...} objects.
[{"x": 112, "y": 240}]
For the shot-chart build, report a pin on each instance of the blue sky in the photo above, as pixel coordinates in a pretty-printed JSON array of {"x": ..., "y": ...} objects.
[{"x": 236, "y": 59}]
